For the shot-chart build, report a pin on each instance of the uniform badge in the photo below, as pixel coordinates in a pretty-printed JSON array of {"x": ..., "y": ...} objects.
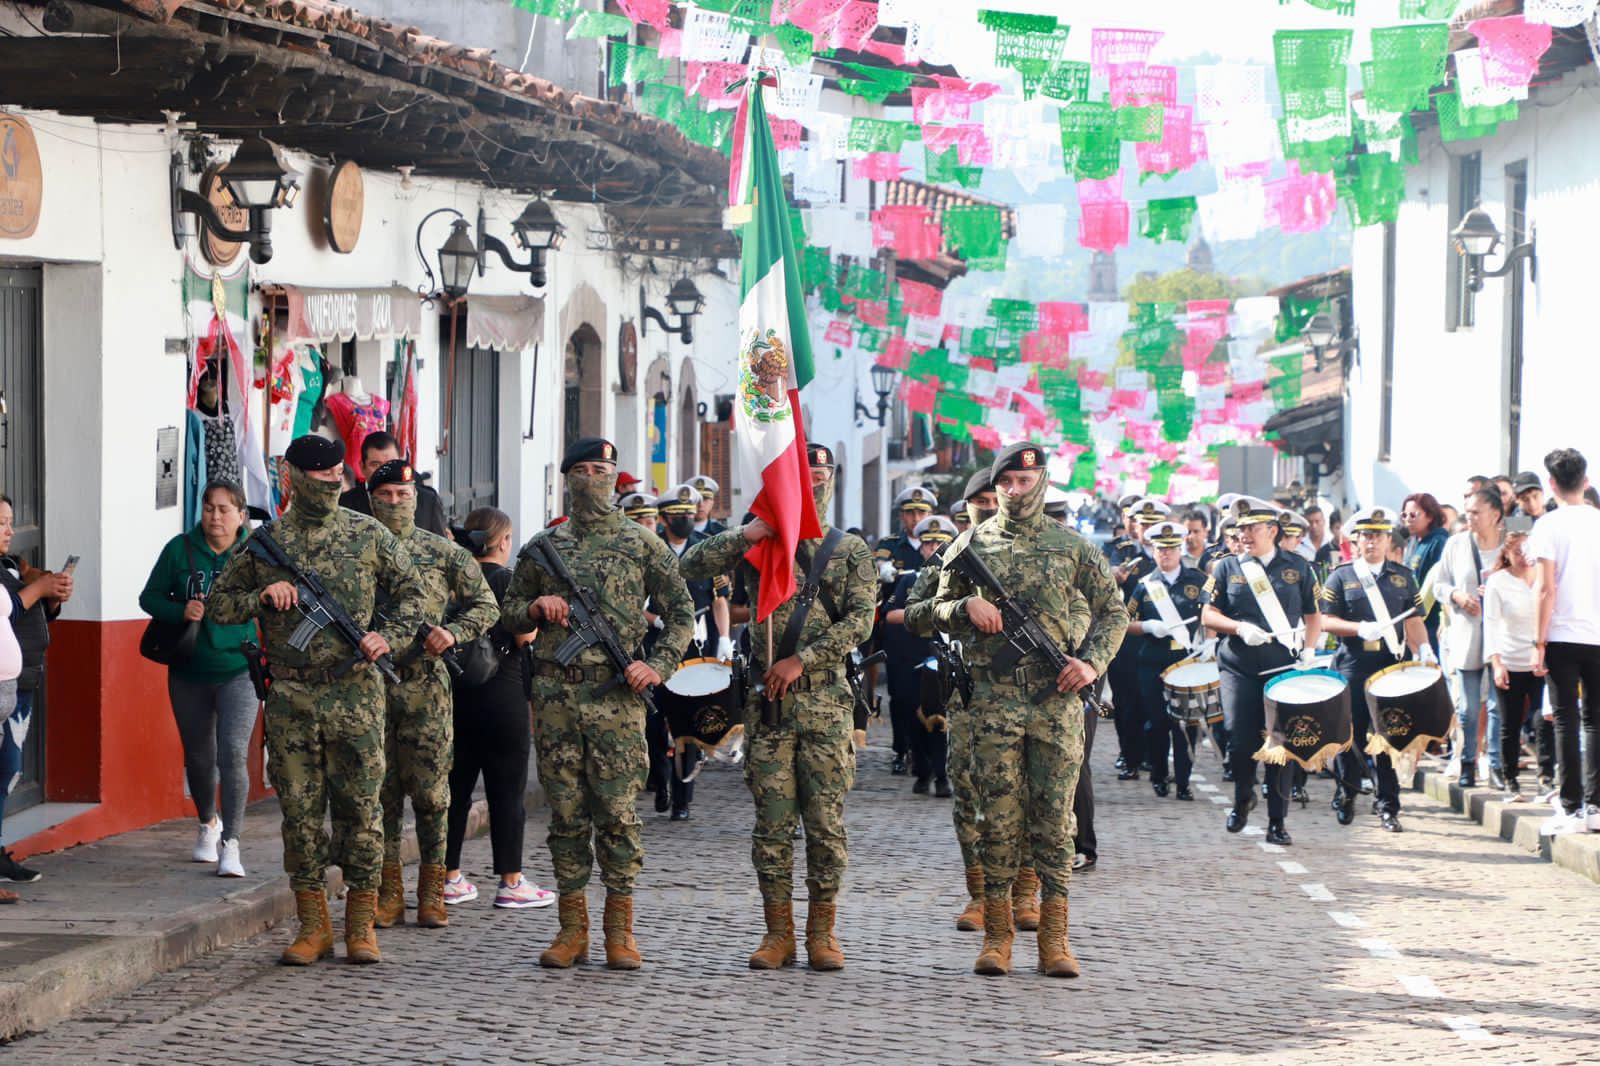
[
  {"x": 1029, "y": 458},
  {"x": 1191, "y": 591},
  {"x": 1235, "y": 579},
  {"x": 1291, "y": 577},
  {"x": 1397, "y": 580}
]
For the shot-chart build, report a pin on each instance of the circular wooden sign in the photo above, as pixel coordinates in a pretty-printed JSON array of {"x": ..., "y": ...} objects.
[
  {"x": 21, "y": 178},
  {"x": 220, "y": 251},
  {"x": 628, "y": 360},
  {"x": 345, "y": 205}
]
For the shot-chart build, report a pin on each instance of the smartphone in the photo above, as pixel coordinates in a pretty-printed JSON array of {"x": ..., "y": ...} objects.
[{"x": 72, "y": 563}]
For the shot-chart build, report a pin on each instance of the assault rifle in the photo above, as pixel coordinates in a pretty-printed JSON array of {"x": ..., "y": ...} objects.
[
  {"x": 318, "y": 609},
  {"x": 953, "y": 669},
  {"x": 588, "y": 624},
  {"x": 855, "y": 669},
  {"x": 1023, "y": 633}
]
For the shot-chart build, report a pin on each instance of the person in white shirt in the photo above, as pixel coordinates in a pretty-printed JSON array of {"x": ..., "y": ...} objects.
[
  {"x": 1465, "y": 564},
  {"x": 1566, "y": 545},
  {"x": 1510, "y": 626}
]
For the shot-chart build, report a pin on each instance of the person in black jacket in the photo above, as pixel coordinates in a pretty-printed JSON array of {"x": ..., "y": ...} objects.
[
  {"x": 38, "y": 596},
  {"x": 493, "y": 736},
  {"x": 376, "y": 449}
]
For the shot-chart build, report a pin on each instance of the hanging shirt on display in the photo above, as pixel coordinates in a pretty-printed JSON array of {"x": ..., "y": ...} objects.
[
  {"x": 355, "y": 420},
  {"x": 310, "y": 366}
]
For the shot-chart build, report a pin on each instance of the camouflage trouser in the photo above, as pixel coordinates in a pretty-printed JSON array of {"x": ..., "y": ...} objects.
[
  {"x": 1025, "y": 763},
  {"x": 592, "y": 763},
  {"x": 418, "y": 746},
  {"x": 964, "y": 809},
  {"x": 801, "y": 770},
  {"x": 326, "y": 747}
]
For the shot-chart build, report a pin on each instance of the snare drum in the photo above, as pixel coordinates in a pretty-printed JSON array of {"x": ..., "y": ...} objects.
[
  {"x": 1411, "y": 708},
  {"x": 1308, "y": 718},
  {"x": 1193, "y": 689},
  {"x": 697, "y": 709},
  {"x": 700, "y": 678}
]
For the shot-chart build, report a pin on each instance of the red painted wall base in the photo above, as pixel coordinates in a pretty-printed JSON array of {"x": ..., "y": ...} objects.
[{"x": 110, "y": 738}]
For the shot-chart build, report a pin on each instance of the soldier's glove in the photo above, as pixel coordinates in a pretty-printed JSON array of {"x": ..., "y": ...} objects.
[
  {"x": 1370, "y": 630},
  {"x": 1253, "y": 635}
]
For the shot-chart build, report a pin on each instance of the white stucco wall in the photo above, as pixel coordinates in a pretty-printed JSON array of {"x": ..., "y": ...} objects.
[{"x": 1451, "y": 387}]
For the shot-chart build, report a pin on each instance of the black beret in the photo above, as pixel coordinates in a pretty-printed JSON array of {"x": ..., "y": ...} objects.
[
  {"x": 394, "y": 472},
  {"x": 314, "y": 452},
  {"x": 982, "y": 481},
  {"x": 819, "y": 454},
  {"x": 588, "y": 450},
  {"x": 1024, "y": 455}
]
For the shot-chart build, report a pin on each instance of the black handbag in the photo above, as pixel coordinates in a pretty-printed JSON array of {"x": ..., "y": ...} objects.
[{"x": 171, "y": 643}]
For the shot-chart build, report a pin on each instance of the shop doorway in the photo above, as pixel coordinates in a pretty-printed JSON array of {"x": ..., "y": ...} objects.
[
  {"x": 469, "y": 470},
  {"x": 22, "y": 467},
  {"x": 583, "y": 405}
]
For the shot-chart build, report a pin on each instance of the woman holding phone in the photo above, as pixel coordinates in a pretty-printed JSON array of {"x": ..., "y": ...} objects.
[{"x": 213, "y": 700}]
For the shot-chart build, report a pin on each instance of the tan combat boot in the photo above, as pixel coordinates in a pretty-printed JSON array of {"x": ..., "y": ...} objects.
[
  {"x": 777, "y": 947},
  {"x": 1055, "y": 955},
  {"x": 430, "y": 896},
  {"x": 822, "y": 947},
  {"x": 1025, "y": 899},
  {"x": 995, "y": 959},
  {"x": 315, "y": 940},
  {"x": 391, "y": 897},
  {"x": 360, "y": 940},
  {"x": 622, "y": 951},
  {"x": 971, "y": 919},
  {"x": 572, "y": 942}
]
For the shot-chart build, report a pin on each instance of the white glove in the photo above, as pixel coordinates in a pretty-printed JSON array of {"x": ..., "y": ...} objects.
[
  {"x": 1426, "y": 657},
  {"x": 658, "y": 622},
  {"x": 725, "y": 649},
  {"x": 1371, "y": 630},
  {"x": 1307, "y": 659},
  {"x": 1159, "y": 630},
  {"x": 1206, "y": 649},
  {"x": 887, "y": 572},
  {"x": 1253, "y": 634}
]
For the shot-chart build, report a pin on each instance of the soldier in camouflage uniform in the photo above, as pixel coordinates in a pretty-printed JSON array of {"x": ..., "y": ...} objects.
[
  {"x": 592, "y": 759},
  {"x": 418, "y": 745},
  {"x": 802, "y": 768},
  {"x": 324, "y": 726},
  {"x": 1026, "y": 755}
]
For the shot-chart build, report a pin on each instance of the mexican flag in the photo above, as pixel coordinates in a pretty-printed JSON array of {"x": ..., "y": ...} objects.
[{"x": 769, "y": 443}]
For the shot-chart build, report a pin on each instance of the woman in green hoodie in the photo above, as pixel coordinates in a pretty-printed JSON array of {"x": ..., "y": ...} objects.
[{"x": 212, "y": 698}]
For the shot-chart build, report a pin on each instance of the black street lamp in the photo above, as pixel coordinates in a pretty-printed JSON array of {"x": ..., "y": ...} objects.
[
  {"x": 256, "y": 180},
  {"x": 684, "y": 300},
  {"x": 1477, "y": 238},
  {"x": 457, "y": 257},
  {"x": 1322, "y": 336},
  {"x": 883, "y": 386},
  {"x": 536, "y": 231}
]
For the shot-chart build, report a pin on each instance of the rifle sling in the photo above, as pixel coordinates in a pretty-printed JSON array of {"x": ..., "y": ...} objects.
[{"x": 814, "y": 568}]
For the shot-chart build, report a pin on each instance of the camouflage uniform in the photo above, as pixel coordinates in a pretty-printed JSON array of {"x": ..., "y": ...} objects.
[
  {"x": 1026, "y": 756},
  {"x": 325, "y": 729},
  {"x": 592, "y": 759},
  {"x": 804, "y": 767},
  {"x": 418, "y": 744}
]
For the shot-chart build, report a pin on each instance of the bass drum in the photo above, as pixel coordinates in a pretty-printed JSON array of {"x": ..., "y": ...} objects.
[
  {"x": 1411, "y": 708},
  {"x": 696, "y": 703},
  {"x": 1308, "y": 719}
]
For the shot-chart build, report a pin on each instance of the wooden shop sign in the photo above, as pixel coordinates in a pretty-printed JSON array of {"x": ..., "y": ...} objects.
[
  {"x": 21, "y": 178},
  {"x": 346, "y": 202}
]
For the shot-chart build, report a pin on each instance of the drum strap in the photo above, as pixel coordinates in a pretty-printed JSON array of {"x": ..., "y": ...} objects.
[
  {"x": 814, "y": 568},
  {"x": 1380, "y": 609},
  {"x": 1155, "y": 586},
  {"x": 1267, "y": 601}
]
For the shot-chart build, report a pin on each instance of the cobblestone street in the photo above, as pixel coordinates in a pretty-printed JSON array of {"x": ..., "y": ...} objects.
[{"x": 1350, "y": 946}]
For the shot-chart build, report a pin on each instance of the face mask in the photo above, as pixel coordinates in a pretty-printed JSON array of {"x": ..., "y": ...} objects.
[
  {"x": 591, "y": 495},
  {"x": 981, "y": 514},
  {"x": 400, "y": 518},
  {"x": 314, "y": 501},
  {"x": 822, "y": 496},
  {"x": 681, "y": 526},
  {"x": 1027, "y": 507}
]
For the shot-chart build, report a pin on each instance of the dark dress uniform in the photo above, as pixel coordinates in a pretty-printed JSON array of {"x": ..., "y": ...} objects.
[
  {"x": 1241, "y": 666},
  {"x": 906, "y": 654},
  {"x": 1155, "y": 654},
  {"x": 1128, "y": 703},
  {"x": 900, "y": 554},
  {"x": 1343, "y": 597}
]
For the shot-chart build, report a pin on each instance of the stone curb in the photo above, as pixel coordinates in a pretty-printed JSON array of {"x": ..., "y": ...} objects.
[
  {"x": 1516, "y": 822},
  {"x": 66, "y": 983}
]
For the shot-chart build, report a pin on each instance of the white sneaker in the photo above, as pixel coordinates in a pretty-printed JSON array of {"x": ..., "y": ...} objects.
[
  {"x": 1592, "y": 818},
  {"x": 1559, "y": 824},
  {"x": 228, "y": 865},
  {"x": 206, "y": 841}
]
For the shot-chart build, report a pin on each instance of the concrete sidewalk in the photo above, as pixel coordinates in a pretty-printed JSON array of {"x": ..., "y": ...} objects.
[
  {"x": 1516, "y": 822},
  {"x": 108, "y": 916}
]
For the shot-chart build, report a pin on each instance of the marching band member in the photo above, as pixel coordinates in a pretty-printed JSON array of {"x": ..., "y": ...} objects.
[
  {"x": 907, "y": 653},
  {"x": 896, "y": 556},
  {"x": 1265, "y": 603},
  {"x": 1165, "y": 606},
  {"x": 1130, "y": 716},
  {"x": 1361, "y": 603}
]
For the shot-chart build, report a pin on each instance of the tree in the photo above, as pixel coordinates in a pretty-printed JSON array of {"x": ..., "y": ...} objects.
[{"x": 1181, "y": 286}]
